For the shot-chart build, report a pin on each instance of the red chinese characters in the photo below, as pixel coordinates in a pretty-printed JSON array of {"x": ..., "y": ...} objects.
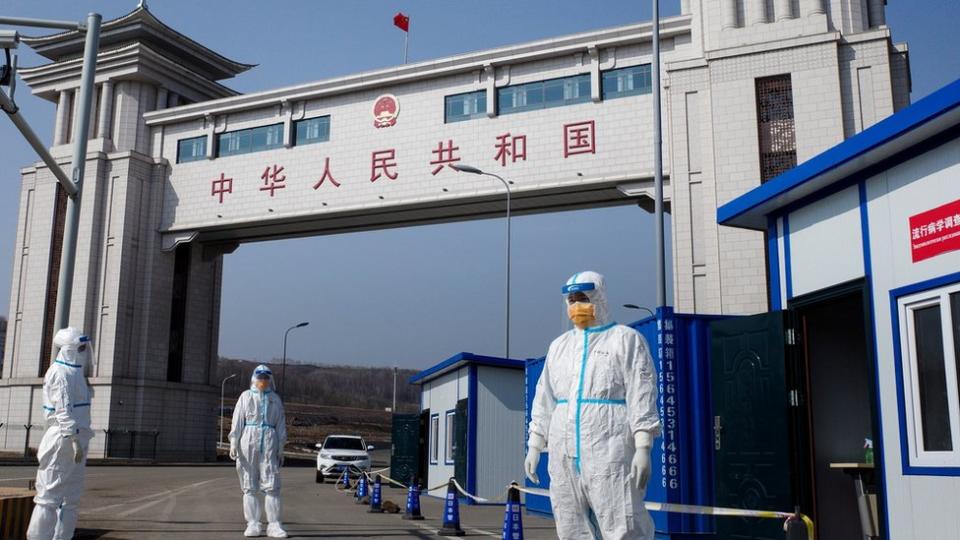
[
  {"x": 221, "y": 186},
  {"x": 383, "y": 163},
  {"x": 273, "y": 179},
  {"x": 444, "y": 155},
  {"x": 579, "y": 138},
  {"x": 327, "y": 175},
  {"x": 512, "y": 147}
]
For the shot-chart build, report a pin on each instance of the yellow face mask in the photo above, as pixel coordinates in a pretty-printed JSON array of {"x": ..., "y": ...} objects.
[
  {"x": 582, "y": 314},
  {"x": 262, "y": 384}
]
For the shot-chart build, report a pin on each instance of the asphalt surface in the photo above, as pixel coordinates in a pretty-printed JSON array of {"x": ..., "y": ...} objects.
[{"x": 203, "y": 503}]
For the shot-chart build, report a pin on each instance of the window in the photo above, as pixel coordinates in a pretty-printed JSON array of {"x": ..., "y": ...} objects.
[
  {"x": 193, "y": 149},
  {"x": 777, "y": 132},
  {"x": 930, "y": 358},
  {"x": 312, "y": 130},
  {"x": 449, "y": 437},
  {"x": 344, "y": 443},
  {"x": 629, "y": 81},
  {"x": 434, "y": 438},
  {"x": 465, "y": 106},
  {"x": 544, "y": 94},
  {"x": 245, "y": 141}
]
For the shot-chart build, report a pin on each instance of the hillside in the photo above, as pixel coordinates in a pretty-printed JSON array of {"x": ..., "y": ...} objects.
[{"x": 339, "y": 386}]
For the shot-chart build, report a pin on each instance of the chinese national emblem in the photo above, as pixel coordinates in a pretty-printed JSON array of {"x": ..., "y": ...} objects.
[{"x": 385, "y": 111}]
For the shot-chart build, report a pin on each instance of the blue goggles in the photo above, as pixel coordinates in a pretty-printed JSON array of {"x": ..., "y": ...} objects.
[{"x": 578, "y": 287}]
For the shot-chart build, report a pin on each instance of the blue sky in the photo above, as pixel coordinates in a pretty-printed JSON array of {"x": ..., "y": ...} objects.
[{"x": 411, "y": 296}]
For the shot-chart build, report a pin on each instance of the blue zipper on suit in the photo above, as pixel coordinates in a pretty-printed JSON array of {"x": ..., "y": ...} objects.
[{"x": 583, "y": 370}]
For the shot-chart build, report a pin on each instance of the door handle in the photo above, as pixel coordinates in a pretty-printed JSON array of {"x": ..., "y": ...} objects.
[{"x": 717, "y": 429}]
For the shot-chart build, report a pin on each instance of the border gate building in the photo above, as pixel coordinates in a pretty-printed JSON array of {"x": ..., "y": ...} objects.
[{"x": 182, "y": 170}]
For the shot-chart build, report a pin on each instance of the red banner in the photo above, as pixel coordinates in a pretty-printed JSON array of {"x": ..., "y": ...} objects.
[{"x": 935, "y": 231}]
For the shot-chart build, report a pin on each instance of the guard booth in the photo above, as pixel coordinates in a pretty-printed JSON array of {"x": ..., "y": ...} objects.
[
  {"x": 862, "y": 342},
  {"x": 470, "y": 426},
  {"x": 683, "y": 468}
]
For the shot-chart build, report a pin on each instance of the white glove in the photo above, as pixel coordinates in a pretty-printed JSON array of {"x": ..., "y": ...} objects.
[
  {"x": 640, "y": 468},
  {"x": 233, "y": 452},
  {"x": 532, "y": 460},
  {"x": 77, "y": 450}
]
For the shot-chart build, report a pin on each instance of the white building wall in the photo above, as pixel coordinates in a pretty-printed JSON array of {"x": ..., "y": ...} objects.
[
  {"x": 826, "y": 249},
  {"x": 920, "y": 507},
  {"x": 823, "y": 243},
  {"x": 501, "y": 431},
  {"x": 841, "y": 85},
  {"x": 440, "y": 395}
]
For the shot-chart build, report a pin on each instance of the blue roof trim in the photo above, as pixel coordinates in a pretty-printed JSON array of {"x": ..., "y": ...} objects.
[
  {"x": 464, "y": 359},
  {"x": 927, "y": 109}
]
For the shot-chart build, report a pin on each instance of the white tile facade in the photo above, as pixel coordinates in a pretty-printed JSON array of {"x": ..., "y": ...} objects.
[{"x": 137, "y": 200}]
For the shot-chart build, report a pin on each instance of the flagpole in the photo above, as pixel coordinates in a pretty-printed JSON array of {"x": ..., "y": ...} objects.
[{"x": 406, "y": 43}]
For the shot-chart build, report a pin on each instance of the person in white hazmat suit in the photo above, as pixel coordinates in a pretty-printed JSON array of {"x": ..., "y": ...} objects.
[
  {"x": 257, "y": 437},
  {"x": 63, "y": 450},
  {"x": 595, "y": 411}
]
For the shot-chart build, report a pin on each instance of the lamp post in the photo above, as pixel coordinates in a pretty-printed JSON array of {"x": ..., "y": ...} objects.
[
  {"x": 658, "y": 163},
  {"x": 506, "y": 185},
  {"x": 222, "y": 383},
  {"x": 73, "y": 185},
  {"x": 394, "y": 409},
  {"x": 283, "y": 367},
  {"x": 634, "y": 306}
]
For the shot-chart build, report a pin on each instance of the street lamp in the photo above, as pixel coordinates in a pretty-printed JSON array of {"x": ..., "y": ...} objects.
[
  {"x": 506, "y": 184},
  {"x": 634, "y": 306},
  {"x": 222, "y": 383},
  {"x": 283, "y": 368},
  {"x": 72, "y": 185}
]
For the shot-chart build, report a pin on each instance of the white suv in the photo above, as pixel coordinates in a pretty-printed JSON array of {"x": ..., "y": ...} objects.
[{"x": 339, "y": 452}]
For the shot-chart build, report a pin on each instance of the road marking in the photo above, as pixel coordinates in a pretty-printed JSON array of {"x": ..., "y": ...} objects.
[
  {"x": 487, "y": 533},
  {"x": 162, "y": 495},
  {"x": 434, "y": 530},
  {"x": 169, "y": 496}
]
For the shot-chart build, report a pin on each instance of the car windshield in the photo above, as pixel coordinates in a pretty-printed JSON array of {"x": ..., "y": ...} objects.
[{"x": 343, "y": 443}]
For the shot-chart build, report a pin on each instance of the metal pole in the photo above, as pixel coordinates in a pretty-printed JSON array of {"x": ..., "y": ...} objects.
[
  {"x": 406, "y": 43},
  {"x": 80, "y": 135},
  {"x": 509, "y": 194},
  {"x": 394, "y": 409},
  {"x": 43, "y": 23},
  {"x": 283, "y": 366},
  {"x": 222, "y": 384},
  {"x": 18, "y": 120},
  {"x": 658, "y": 161}
]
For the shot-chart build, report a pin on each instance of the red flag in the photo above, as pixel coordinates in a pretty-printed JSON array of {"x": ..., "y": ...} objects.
[{"x": 401, "y": 21}]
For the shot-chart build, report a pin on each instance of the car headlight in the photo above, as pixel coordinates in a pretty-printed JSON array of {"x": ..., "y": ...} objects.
[{"x": 324, "y": 455}]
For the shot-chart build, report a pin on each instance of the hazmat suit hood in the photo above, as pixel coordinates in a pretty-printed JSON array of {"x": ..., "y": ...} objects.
[
  {"x": 592, "y": 284},
  {"x": 260, "y": 371},
  {"x": 75, "y": 350}
]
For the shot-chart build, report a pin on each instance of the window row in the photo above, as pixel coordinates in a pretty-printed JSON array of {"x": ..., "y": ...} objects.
[
  {"x": 614, "y": 83},
  {"x": 257, "y": 139},
  {"x": 450, "y": 447}
]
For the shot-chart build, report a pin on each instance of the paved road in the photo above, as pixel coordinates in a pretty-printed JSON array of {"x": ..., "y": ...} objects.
[{"x": 203, "y": 503}]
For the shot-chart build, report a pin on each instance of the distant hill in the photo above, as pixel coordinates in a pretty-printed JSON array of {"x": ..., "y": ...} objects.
[{"x": 329, "y": 385}]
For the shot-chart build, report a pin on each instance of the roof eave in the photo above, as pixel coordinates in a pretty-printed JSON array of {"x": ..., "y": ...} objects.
[{"x": 56, "y": 46}]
